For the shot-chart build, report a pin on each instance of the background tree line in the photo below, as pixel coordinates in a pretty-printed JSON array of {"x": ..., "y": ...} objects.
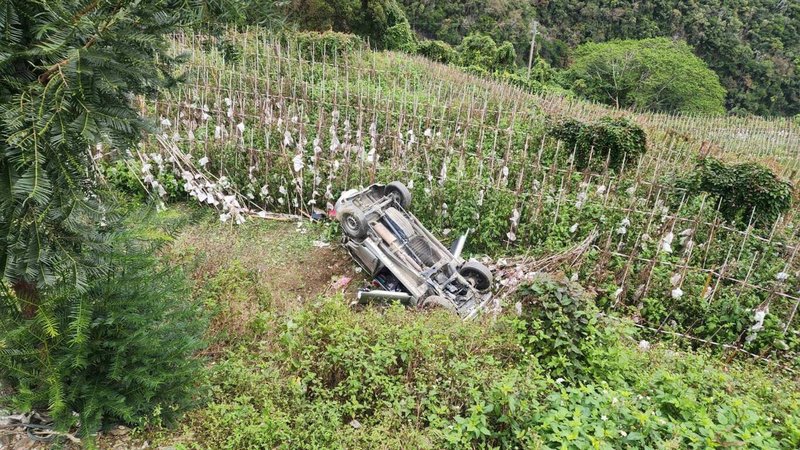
[
  {"x": 753, "y": 45},
  {"x": 493, "y": 39}
]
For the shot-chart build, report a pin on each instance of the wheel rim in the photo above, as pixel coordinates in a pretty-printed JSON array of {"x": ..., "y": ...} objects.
[{"x": 351, "y": 223}]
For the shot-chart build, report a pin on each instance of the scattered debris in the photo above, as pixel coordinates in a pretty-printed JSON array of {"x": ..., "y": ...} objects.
[
  {"x": 341, "y": 283},
  {"x": 119, "y": 430},
  {"x": 758, "y": 318},
  {"x": 34, "y": 426},
  {"x": 510, "y": 273},
  {"x": 206, "y": 188}
]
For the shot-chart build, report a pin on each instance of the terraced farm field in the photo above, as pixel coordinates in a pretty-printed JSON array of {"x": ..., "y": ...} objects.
[{"x": 287, "y": 127}]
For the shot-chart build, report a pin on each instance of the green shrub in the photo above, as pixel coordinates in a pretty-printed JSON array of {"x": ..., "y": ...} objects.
[
  {"x": 369, "y": 19},
  {"x": 477, "y": 70},
  {"x": 558, "y": 324},
  {"x": 543, "y": 72},
  {"x": 742, "y": 190},
  {"x": 478, "y": 50},
  {"x": 125, "y": 175},
  {"x": 616, "y": 140},
  {"x": 533, "y": 84},
  {"x": 438, "y": 51},
  {"x": 123, "y": 352},
  {"x": 521, "y": 80},
  {"x": 400, "y": 37}
]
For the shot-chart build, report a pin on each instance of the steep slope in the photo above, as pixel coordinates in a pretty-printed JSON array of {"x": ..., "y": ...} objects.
[{"x": 291, "y": 125}]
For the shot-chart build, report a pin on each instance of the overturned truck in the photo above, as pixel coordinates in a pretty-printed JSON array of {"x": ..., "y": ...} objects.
[{"x": 406, "y": 262}]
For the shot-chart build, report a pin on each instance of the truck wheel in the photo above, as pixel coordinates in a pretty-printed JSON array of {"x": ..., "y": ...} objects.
[
  {"x": 476, "y": 273},
  {"x": 399, "y": 192},
  {"x": 354, "y": 223},
  {"x": 436, "y": 301}
]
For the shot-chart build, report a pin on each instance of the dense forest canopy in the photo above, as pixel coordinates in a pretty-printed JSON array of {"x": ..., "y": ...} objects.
[{"x": 753, "y": 45}]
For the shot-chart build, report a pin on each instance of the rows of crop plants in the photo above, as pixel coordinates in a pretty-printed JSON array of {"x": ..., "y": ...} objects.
[
  {"x": 773, "y": 140},
  {"x": 284, "y": 126}
]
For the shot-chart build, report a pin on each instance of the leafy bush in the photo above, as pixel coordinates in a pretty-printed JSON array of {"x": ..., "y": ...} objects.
[
  {"x": 742, "y": 190},
  {"x": 477, "y": 70},
  {"x": 438, "y": 51},
  {"x": 400, "y": 37},
  {"x": 478, "y": 50},
  {"x": 118, "y": 351},
  {"x": 543, "y": 72},
  {"x": 369, "y": 19},
  {"x": 218, "y": 16},
  {"x": 616, "y": 140},
  {"x": 542, "y": 79},
  {"x": 558, "y": 325},
  {"x": 651, "y": 74},
  {"x": 533, "y": 84}
]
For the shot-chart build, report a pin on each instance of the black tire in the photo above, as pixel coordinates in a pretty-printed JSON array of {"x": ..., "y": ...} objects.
[
  {"x": 400, "y": 193},
  {"x": 476, "y": 273},
  {"x": 436, "y": 302},
  {"x": 353, "y": 221}
]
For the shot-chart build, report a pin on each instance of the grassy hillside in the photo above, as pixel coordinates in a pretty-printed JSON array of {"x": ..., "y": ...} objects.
[
  {"x": 290, "y": 125},
  {"x": 647, "y": 285}
]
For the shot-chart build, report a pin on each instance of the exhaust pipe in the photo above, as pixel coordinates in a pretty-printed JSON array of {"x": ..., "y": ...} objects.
[
  {"x": 458, "y": 246},
  {"x": 368, "y": 296}
]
